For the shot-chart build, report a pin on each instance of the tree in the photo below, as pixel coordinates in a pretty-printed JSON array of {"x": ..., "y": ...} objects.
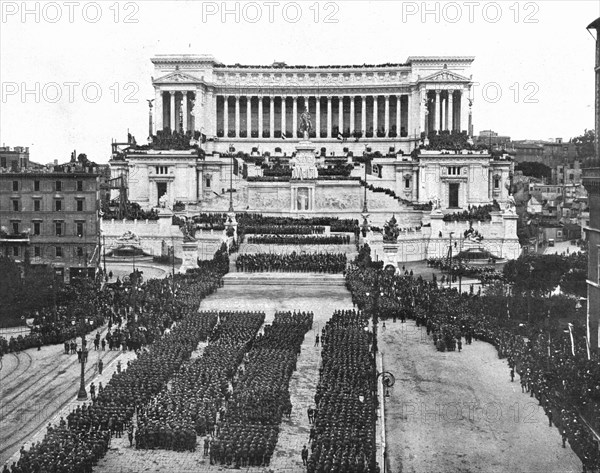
[
  {"x": 585, "y": 144},
  {"x": 538, "y": 170}
]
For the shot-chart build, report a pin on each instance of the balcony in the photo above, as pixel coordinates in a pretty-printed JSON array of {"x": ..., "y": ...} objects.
[{"x": 22, "y": 238}]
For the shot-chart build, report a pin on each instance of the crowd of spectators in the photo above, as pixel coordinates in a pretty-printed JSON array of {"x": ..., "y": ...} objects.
[
  {"x": 60, "y": 323},
  {"x": 343, "y": 434},
  {"x": 299, "y": 240},
  {"x": 290, "y": 229},
  {"x": 560, "y": 376},
  {"x": 292, "y": 262},
  {"x": 479, "y": 213}
]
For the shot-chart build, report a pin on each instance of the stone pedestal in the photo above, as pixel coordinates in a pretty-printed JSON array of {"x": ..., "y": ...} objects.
[
  {"x": 189, "y": 256},
  {"x": 304, "y": 163}
]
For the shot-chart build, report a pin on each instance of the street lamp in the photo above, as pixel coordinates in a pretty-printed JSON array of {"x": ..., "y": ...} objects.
[
  {"x": 82, "y": 394},
  {"x": 450, "y": 256}
]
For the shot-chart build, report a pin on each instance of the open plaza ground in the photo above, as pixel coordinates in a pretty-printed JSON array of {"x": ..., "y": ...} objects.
[{"x": 447, "y": 411}]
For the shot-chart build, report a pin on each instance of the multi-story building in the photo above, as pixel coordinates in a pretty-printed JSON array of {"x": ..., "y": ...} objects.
[
  {"x": 16, "y": 158},
  {"x": 50, "y": 218},
  {"x": 591, "y": 181}
]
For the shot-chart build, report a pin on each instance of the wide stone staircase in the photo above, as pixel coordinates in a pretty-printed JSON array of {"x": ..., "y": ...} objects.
[{"x": 279, "y": 279}]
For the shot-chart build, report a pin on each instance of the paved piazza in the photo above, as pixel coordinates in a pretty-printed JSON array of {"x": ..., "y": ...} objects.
[{"x": 447, "y": 412}]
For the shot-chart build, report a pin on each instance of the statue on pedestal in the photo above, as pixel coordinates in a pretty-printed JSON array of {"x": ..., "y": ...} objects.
[{"x": 306, "y": 124}]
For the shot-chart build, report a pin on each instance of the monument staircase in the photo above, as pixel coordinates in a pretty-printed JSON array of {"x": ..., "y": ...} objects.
[
  {"x": 382, "y": 201},
  {"x": 278, "y": 279}
]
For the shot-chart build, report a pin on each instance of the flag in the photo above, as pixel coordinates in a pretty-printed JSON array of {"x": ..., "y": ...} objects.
[
  {"x": 203, "y": 138},
  {"x": 340, "y": 136},
  {"x": 236, "y": 166},
  {"x": 283, "y": 135},
  {"x": 572, "y": 341}
]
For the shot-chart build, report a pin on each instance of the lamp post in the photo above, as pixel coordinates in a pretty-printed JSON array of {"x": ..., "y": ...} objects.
[
  {"x": 82, "y": 394},
  {"x": 450, "y": 257},
  {"x": 366, "y": 157}
]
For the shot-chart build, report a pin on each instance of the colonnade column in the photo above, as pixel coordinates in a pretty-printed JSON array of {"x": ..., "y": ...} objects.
[
  {"x": 352, "y": 126},
  {"x": 363, "y": 116},
  {"x": 248, "y": 116},
  {"x": 272, "y": 116},
  {"x": 387, "y": 116},
  {"x": 464, "y": 110},
  {"x": 237, "y": 116},
  {"x": 329, "y": 113},
  {"x": 451, "y": 110},
  {"x": 341, "y": 114},
  {"x": 260, "y": 116},
  {"x": 436, "y": 124},
  {"x": 225, "y": 116},
  {"x": 398, "y": 115},
  {"x": 318, "y": 117},
  {"x": 172, "y": 114},
  {"x": 283, "y": 117},
  {"x": 409, "y": 124},
  {"x": 158, "y": 111},
  {"x": 295, "y": 117},
  {"x": 375, "y": 116}
]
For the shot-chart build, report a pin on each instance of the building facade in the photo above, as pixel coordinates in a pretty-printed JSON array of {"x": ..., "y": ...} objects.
[
  {"x": 14, "y": 158},
  {"x": 262, "y": 103},
  {"x": 591, "y": 181},
  {"x": 50, "y": 218}
]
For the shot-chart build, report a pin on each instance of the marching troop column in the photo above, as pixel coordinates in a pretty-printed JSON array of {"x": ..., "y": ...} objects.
[
  {"x": 260, "y": 116},
  {"x": 318, "y": 117},
  {"x": 237, "y": 116},
  {"x": 363, "y": 115},
  {"x": 272, "y": 116},
  {"x": 352, "y": 127},
  {"x": 225, "y": 116},
  {"x": 295, "y": 116},
  {"x": 329, "y": 113},
  {"x": 172, "y": 113},
  {"x": 387, "y": 115}
]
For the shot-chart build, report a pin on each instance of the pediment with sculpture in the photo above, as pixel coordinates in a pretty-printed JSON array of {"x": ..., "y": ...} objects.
[{"x": 177, "y": 78}]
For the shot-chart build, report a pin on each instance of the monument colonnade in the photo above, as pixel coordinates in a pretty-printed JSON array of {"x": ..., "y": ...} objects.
[{"x": 268, "y": 116}]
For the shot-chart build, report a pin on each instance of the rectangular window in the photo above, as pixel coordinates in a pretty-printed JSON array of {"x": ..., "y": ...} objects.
[
  {"x": 80, "y": 186},
  {"x": 58, "y": 228},
  {"x": 15, "y": 205},
  {"x": 208, "y": 182},
  {"x": 37, "y": 205},
  {"x": 58, "y": 205},
  {"x": 79, "y": 251},
  {"x": 15, "y": 186},
  {"x": 15, "y": 251},
  {"x": 406, "y": 183},
  {"x": 37, "y": 251},
  {"x": 496, "y": 183},
  {"x": 37, "y": 228},
  {"x": 58, "y": 186},
  {"x": 79, "y": 226},
  {"x": 79, "y": 205},
  {"x": 15, "y": 227},
  {"x": 36, "y": 185},
  {"x": 59, "y": 252}
]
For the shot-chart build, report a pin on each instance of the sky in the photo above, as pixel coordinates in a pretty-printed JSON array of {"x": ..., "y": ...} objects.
[{"x": 76, "y": 74}]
